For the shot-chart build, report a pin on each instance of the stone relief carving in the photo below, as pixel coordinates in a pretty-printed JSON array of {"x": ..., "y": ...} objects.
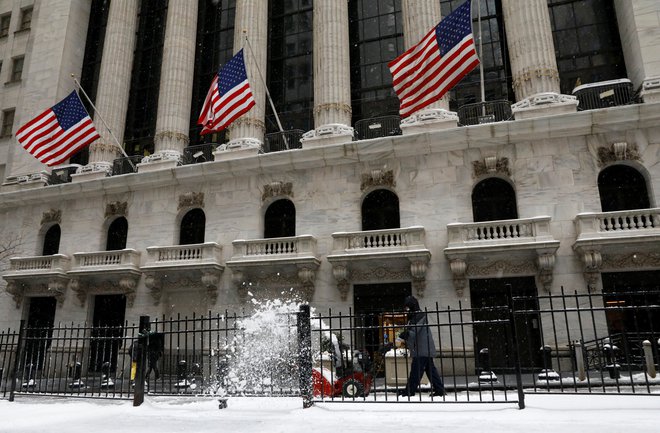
[
  {"x": 276, "y": 189},
  {"x": 52, "y": 216},
  {"x": 491, "y": 165},
  {"x": 125, "y": 285},
  {"x": 377, "y": 177},
  {"x": 631, "y": 261},
  {"x": 55, "y": 287},
  {"x": 116, "y": 208},
  {"x": 620, "y": 151},
  {"x": 191, "y": 199}
]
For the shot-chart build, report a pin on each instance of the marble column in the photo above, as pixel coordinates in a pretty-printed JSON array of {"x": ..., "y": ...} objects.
[
  {"x": 113, "y": 87},
  {"x": 251, "y": 21},
  {"x": 419, "y": 17},
  {"x": 176, "y": 79},
  {"x": 533, "y": 62},
  {"x": 639, "y": 28},
  {"x": 332, "y": 81}
]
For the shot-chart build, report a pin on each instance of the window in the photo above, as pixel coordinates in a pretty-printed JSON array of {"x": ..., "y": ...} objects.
[
  {"x": 493, "y": 199},
  {"x": 193, "y": 226},
  {"x": 5, "y": 20},
  {"x": 117, "y": 233},
  {"x": 26, "y": 19},
  {"x": 380, "y": 210},
  {"x": 52, "y": 241},
  {"x": 7, "y": 123},
  {"x": 280, "y": 219},
  {"x": 622, "y": 187},
  {"x": 17, "y": 69}
]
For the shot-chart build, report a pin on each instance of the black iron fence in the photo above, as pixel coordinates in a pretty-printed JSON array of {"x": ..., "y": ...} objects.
[
  {"x": 286, "y": 140},
  {"x": 553, "y": 343},
  {"x": 126, "y": 165},
  {"x": 375, "y": 127},
  {"x": 484, "y": 112}
]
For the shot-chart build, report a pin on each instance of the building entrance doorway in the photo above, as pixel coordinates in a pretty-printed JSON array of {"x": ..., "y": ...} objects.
[
  {"x": 40, "y": 320},
  {"x": 107, "y": 331},
  {"x": 490, "y": 299}
]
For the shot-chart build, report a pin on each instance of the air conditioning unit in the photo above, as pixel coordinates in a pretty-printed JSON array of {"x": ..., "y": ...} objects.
[{"x": 604, "y": 94}]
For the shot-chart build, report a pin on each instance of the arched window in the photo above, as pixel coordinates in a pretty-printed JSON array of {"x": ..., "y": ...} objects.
[
  {"x": 280, "y": 219},
  {"x": 622, "y": 187},
  {"x": 117, "y": 233},
  {"x": 52, "y": 241},
  {"x": 493, "y": 199},
  {"x": 193, "y": 226},
  {"x": 380, "y": 210}
]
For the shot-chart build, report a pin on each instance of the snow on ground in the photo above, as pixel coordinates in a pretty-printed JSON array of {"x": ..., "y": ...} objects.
[{"x": 544, "y": 413}]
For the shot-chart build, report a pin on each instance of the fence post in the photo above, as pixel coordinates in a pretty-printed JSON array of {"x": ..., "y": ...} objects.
[
  {"x": 648, "y": 356},
  {"x": 17, "y": 360},
  {"x": 579, "y": 360},
  {"x": 305, "y": 355},
  {"x": 141, "y": 360},
  {"x": 516, "y": 355}
]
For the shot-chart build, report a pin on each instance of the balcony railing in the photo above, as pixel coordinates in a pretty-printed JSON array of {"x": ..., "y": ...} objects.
[
  {"x": 496, "y": 233},
  {"x": 403, "y": 239},
  {"x": 628, "y": 223},
  {"x": 105, "y": 260},
  {"x": 57, "y": 263},
  {"x": 274, "y": 248},
  {"x": 126, "y": 165},
  {"x": 199, "y": 153},
  {"x": 192, "y": 255},
  {"x": 286, "y": 140},
  {"x": 484, "y": 112},
  {"x": 61, "y": 175},
  {"x": 604, "y": 94},
  {"x": 384, "y": 126}
]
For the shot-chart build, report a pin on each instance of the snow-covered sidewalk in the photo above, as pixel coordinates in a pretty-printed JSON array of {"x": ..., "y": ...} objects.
[{"x": 544, "y": 413}]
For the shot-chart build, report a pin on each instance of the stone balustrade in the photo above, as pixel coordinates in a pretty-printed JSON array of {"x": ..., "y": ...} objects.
[
  {"x": 402, "y": 239},
  {"x": 187, "y": 255},
  {"x": 287, "y": 247},
  {"x": 625, "y": 223},
  {"x": 56, "y": 263},
  {"x": 509, "y": 232},
  {"x": 106, "y": 259}
]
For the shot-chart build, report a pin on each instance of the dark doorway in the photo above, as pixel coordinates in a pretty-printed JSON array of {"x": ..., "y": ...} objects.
[
  {"x": 280, "y": 219},
  {"x": 622, "y": 188},
  {"x": 491, "y": 298},
  {"x": 370, "y": 302},
  {"x": 380, "y": 210},
  {"x": 41, "y": 317},
  {"x": 630, "y": 300},
  {"x": 493, "y": 199},
  {"x": 107, "y": 332},
  {"x": 52, "y": 241},
  {"x": 193, "y": 226},
  {"x": 117, "y": 234}
]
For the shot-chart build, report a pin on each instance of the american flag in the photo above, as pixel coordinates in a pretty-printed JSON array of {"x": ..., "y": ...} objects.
[
  {"x": 59, "y": 132},
  {"x": 228, "y": 98},
  {"x": 428, "y": 70}
]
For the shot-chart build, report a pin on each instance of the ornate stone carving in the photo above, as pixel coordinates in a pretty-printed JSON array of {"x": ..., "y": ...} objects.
[
  {"x": 545, "y": 264},
  {"x": 116, "y": 208},
  {"x": 620, "y": 151},
  {"x": 377, "y": 177},
  {"x": 458, "y": 269},
  {"x": 380, "y": 273},
  {"x": 172, "y": 135},
  {"x": 340, "y": 272},
  {"x": 16, "y": 293},
  {"x": 592, "y": 261},
  {"x": 277, "y": 189},
  {"x": 210, "y": 281},
  {"x": 631, "y": 261},
  {"x": 502, "y": 267},
  {"x": 52, "y": 216},
  {"x": 191, "y": 199},
  {"x": 418, "y": 271},
  {"x": 491, "y": 165}
]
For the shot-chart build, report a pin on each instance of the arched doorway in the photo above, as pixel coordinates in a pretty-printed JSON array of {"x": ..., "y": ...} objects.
[
  {"x": 493, "y": 199},
  {"x": 193, "y": 226},
  {"x": 280, "y": 219},
  {"x": 622, "y": 187},
  {"x": 380, "y": 210}
]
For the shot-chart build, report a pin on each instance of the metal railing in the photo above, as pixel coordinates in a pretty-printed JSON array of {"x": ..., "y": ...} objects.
[
  {"x": 286, "y": 140},
  {"x": 126, "y": 165},
  {"x": 484, "y": 112},
  {"x": 199, "y": 153},
  {"x": 375, "y": 127},
  {"x": 604, "y": 94}
]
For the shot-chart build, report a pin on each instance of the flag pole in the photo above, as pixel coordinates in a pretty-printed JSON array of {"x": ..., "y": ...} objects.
[
  {"x": 272, "y": 105},
  {"x": 75, "y": 80},
  {"x": 481, "y": 63}
]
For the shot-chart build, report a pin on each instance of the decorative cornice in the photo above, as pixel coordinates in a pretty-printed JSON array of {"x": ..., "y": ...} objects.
[
  {"x": 52, "y": 216},
  {"x": 620, "y": 151},
  {"x": 501, "y": 267},
  {"x": 491, "y": 165},
  {"x": 333, "y": 106},
  {"x": 116, "y": 208},
  {"x": 276, "y": 189},
  {"x": 191, "y": 200},
  {"x": 377, "y": 177},
  {"x": 631, "y": 261}
]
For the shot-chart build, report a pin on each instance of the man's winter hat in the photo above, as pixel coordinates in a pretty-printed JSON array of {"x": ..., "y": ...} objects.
[{"x": 412, "y": 303}]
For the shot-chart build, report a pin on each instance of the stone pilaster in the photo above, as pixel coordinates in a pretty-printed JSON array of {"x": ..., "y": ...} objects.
[
  {"x": 419, "y": 17},
  {"x": 175, "y": 97},
  {"x": 251, "y": 21},
  {"x": 533, "y": 63},
  {"x": 113, "y": 88},
  {"x": 332, "y": 87}
]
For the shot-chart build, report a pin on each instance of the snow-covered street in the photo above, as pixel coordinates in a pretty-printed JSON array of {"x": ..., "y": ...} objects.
[{"x": 544, "y": 413}]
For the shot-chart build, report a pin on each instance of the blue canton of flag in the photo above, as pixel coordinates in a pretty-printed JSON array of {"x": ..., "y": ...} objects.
[
  {"x": 229, "y": 97},
  {"x": 59, "y": 132},
  {"x": 428, "y": 70}
]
